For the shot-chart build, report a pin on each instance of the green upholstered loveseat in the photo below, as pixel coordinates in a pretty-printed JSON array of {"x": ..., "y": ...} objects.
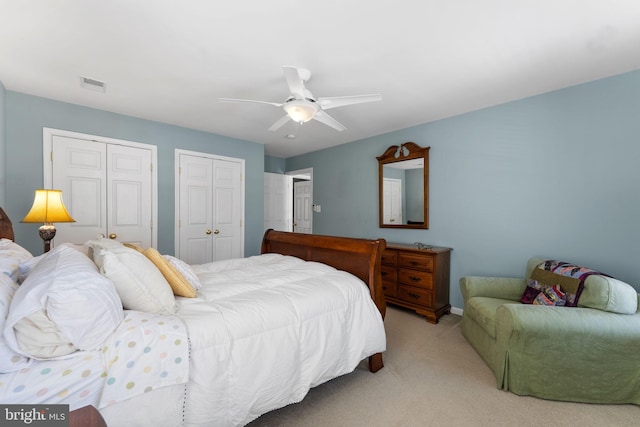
[{"x": 588, "y": 353}]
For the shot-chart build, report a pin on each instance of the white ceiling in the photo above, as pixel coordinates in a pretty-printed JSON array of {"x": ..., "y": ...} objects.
[{"x": 169, "y": 61}]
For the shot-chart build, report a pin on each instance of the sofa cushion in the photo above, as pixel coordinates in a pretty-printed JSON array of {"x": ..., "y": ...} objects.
[
  {"x": 609, "y": 294},
  {"x": 483, "y": 311}
]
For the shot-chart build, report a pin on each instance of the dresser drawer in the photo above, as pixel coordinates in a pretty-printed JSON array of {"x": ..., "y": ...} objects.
[
  {"x": 390, "y": 289},
  {"x": 422, "y": 262},
  {"x": 389, "y": 257},
  {"x": 415, "y": 278},
  {"x": 389, "y": 274},
  {"x": 415, "y": 295}
]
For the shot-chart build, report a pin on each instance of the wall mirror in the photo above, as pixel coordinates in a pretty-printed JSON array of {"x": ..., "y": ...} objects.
[{"x": 403, "y": 186}]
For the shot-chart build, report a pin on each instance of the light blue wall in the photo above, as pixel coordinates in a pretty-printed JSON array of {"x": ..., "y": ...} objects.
[
  {"x": 26, "y": 116},
  {"x": 556, "y": 175},
  {"x": 274, "y": 164}
]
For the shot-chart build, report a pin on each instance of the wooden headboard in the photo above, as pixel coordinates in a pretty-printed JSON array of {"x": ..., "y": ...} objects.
[{"x": 6, "y": 228}]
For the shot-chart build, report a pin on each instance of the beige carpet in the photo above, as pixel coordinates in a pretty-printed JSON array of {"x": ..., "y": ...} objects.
[{"x": 433, "y": 377}]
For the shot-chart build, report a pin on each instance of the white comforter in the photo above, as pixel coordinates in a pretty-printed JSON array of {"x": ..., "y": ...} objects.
[{"x": 266, "y": 329}]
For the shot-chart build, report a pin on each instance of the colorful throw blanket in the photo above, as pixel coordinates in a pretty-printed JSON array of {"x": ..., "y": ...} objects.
[{"x": 569, "y": 276}]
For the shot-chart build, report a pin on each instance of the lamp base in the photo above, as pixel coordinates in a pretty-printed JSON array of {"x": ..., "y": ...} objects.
[{"x": 47, "y": 233}]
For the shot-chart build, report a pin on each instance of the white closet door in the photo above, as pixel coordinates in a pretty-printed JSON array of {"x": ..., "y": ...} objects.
[
  {"x": 129, "y": 194},
  {"x": 210, "y": 209},
  {"x": 227, "y": 210},
  {"x": 79, "y": 170},
  {"x": 196, "y": 209},
  {"x": 107, "y": 189}
]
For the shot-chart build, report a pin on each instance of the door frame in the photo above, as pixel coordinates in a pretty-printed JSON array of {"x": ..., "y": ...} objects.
[
  {"x": 306, "y": 173},
  {"x": 176, "y": 167},
  {"x": 47, "y": 152}
]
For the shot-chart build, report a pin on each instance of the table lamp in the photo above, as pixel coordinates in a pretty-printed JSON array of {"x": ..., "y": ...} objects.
[{"x": 48, "y": 208}]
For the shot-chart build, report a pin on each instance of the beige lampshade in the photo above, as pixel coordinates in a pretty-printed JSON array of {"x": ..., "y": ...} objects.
[{"x": 48, "y": 207}]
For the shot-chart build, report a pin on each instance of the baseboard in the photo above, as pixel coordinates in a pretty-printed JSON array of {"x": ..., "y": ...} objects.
[{"x": 457, "y": 311}]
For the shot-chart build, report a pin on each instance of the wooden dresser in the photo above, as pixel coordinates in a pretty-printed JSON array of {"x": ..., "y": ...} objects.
[{"x": 417, "y": 279}]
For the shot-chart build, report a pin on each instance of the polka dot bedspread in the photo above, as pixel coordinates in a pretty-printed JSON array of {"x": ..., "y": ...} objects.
[{"x": 145, "y": 352}]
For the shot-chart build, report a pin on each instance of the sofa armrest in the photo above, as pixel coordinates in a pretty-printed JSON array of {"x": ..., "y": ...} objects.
[{"x": 510, "y": 288}]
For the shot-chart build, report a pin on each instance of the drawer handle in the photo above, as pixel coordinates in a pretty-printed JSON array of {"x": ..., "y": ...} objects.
[
  {"x": 413, "y": 295},
  {"x": 384, "y": 273},
  {"x": 415, "y": 263},
  {"x": 414, "y": 278}
]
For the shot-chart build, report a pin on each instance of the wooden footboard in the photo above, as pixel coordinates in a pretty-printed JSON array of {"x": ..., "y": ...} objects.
[{"x": 360, "y": 257}]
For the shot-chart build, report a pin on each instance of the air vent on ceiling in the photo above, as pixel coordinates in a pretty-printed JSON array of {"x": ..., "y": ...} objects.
[{"x": 92, "y": 84}]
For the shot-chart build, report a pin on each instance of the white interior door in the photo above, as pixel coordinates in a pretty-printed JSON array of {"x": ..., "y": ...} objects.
[
  {"x": 302, "y": 206},
  {"x": 392, "y": 195},
  {"x": 278, "y": 202},
  {"x": 107, "y": 189},
  {"x": 210, "y": 207},
  {"x": 196, "y": 209}
]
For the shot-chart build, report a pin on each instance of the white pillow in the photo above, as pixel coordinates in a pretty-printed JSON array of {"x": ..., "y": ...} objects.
[
  {"x": 11, "y": 254},
  {"x": 26, "y": 266},
  {"x": 9, "y": 360},
  {"x": 184, "y": 269},
  {"x": 64, "y": 305},
  {"x": 139, "y": 283}
]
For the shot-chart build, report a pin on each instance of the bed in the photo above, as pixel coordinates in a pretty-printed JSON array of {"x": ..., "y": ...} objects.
[{"x": 257, "y": 334}]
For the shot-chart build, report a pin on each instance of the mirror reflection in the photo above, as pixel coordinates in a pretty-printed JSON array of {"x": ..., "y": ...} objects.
[
  {"x": 403, "y": 188},
  {"x": 403, "y": 185}
]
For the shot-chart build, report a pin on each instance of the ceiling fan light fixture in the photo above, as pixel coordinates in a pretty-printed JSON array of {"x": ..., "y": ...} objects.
[{"x": 301, "y": 111}]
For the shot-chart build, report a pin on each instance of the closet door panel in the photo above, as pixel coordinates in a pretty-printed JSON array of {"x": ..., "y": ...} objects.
[
  {"x": 79, "y": 170},
  {"x": 227, "y": 205},
  {"x": 129, "y": 194},
  {"x": 195, "y": 207},
  {"x": 107, "y": 188}
]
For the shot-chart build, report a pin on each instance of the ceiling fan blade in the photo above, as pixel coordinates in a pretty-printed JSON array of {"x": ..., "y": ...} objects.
[
  {"x": 340, "y": 101},
  {"x": 275, "y": 104},
  {"x": 323, "y": 117},
  {"x": 294, "y": 81},
  {"x": 277, "y": 125}
]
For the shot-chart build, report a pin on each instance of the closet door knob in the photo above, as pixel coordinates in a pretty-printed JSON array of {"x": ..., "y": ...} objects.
[
  {"x": 208, "y": 231},
  {"x": 216, "y": 232},
  {"x": 113, "y": 235}
]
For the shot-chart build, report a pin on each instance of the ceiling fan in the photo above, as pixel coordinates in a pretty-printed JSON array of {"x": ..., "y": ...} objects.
[{"x": 301, "y": 106}]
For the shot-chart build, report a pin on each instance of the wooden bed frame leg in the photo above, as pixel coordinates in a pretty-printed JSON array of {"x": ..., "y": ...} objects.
[{"x": 375, "y": 362}]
